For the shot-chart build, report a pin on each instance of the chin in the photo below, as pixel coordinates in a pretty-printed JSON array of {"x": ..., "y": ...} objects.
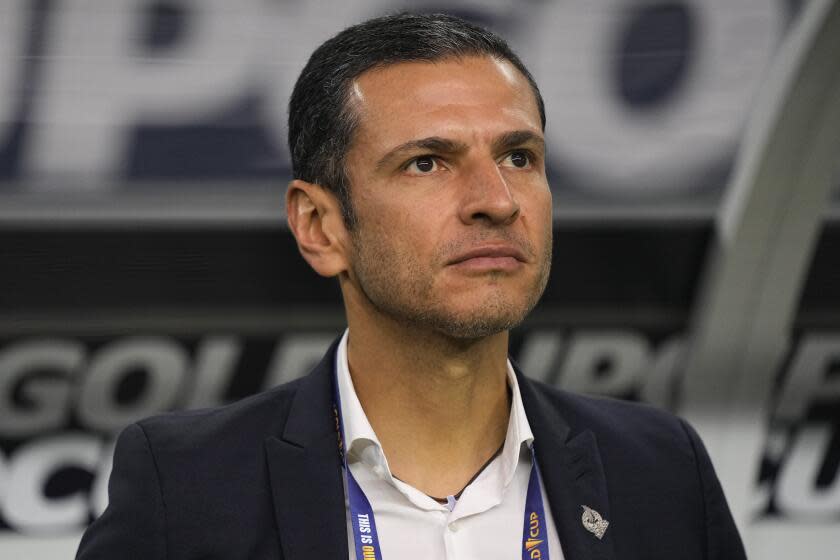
[
  {"x": 474, "y": 331},
  {"x": 481, "y": 323},
  {"x": 481, "y": 313}
]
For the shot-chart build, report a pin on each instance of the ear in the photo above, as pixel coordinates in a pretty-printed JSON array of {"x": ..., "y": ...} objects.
[{"x": 315, "y": 218}]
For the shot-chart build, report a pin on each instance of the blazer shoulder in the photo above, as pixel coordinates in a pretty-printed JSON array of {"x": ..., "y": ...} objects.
[
  {"x": 256, "y": 416},
  {"x": 243, "y": 423},
  {"x": 622, "y": 423},
  {"x": 178, "y": 473}
]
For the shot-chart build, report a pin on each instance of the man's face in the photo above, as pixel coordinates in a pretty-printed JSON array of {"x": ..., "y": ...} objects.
[{"x": 449, "y": 189}]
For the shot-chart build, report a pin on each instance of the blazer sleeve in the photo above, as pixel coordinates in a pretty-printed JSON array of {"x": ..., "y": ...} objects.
[
  {"x": 134, "y": 523},
  {"x": 722, "y": 539}
]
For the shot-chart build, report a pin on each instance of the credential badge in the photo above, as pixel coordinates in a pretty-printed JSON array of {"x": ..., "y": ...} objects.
[{"x": 593, "y": 522}]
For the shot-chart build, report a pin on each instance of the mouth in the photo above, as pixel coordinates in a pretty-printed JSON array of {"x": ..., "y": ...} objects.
[{"x": 490, "y": 257}]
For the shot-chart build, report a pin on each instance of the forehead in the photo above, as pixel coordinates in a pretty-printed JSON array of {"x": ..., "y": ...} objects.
[{"x": 454, "y": 96}]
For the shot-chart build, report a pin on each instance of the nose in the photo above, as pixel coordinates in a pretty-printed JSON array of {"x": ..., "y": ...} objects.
[{"x": 487, "y": 197}]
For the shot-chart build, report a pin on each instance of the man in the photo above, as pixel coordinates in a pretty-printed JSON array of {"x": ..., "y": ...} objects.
[{"x": 420, "y": 184}]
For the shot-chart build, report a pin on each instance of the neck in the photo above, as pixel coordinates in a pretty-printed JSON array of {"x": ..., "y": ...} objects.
[{"x": 439, "y": 406}]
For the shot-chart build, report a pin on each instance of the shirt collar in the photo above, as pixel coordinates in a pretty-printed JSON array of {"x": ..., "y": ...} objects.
[
  {"x": 363, "y": 445},
  {"x": 360, "y": 439}
]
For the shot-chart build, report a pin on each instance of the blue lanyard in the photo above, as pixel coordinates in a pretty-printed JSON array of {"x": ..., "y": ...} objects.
[{"x": 366, "y": 539}]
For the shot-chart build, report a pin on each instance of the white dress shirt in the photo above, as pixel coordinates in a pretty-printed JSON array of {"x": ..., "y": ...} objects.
[{"x": 487, "y": 520}]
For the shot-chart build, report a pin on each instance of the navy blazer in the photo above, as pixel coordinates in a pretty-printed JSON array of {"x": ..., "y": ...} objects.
[{"x": 261, "y": 478}]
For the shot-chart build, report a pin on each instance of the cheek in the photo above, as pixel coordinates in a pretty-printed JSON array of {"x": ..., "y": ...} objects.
[
  {"x": 410, "y": 225},
  {"x": 397, "y": 241},
  {"x": 537, "y": 209}
]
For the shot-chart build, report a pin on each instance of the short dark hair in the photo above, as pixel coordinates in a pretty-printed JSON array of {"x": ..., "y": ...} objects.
[{"x": 321, "y": 121}]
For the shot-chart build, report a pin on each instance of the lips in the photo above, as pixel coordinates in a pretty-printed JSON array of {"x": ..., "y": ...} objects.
[{"x": 489, "y": 255}]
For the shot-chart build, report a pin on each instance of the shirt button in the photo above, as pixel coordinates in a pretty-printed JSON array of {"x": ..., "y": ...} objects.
[
  {"x": 379, "y": 471},
  {"x": 454, "y": 526}
]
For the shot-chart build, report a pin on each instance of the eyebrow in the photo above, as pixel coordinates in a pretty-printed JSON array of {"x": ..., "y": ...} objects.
[
  {"x": 434, "y": 144},
  {"x": 516, "y": 138},
  {"x": 439, "y": 145}
]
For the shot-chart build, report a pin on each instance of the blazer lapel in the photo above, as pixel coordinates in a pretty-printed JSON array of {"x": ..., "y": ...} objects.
[
  {"x": 308, "y": 488},
  {"x": 572, "y": 473},
  {"x": 305, "y": 473}
]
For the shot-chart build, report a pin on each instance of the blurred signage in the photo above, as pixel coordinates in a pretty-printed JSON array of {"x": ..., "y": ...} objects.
[
  {"x": 153, "y": 101},
  {"x": 64, "y": 399},
  {"x": 800, "y": 475}
]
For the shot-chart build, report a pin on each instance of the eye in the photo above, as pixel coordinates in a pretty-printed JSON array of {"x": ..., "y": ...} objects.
[
  {"x": 422, "y": 165},
  {"x": 520, "y": 159}
]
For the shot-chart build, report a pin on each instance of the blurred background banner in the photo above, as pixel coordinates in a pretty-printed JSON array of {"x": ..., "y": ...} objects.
[{"x": 145, "y": 263}]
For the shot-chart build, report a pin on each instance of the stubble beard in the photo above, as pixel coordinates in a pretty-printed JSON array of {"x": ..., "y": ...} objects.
[{"x": 396, "y": 286}]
